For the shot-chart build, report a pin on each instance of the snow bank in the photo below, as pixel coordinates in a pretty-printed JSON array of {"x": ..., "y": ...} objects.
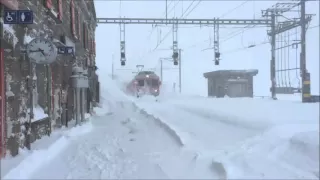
[
  {"x": 283, "y": 152},
  {"x": 38, "y": 158},
  {"x": 34, "y": 161},
  {"x": 79, "y": 130},
  {"x": 251, "y": 112},
  {"x": 172, "y": 131}
]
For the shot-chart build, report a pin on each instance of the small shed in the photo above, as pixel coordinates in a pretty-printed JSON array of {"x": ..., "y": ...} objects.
[{"x": 233, "y": 83}]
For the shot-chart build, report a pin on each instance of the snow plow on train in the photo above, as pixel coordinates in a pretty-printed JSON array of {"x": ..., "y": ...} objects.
[{"x": 144, "y": 83}]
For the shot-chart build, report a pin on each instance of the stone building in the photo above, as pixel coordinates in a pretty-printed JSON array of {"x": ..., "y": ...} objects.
[
  {"x": 66, "y": 23},
  {"x": 231, "y": 83}
]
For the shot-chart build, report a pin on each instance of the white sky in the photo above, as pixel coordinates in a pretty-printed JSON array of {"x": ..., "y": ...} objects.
[{"x": 140, "y": 42}]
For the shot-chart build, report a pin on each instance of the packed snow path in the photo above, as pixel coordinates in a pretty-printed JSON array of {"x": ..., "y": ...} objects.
[{"x": 124, "y": 144}]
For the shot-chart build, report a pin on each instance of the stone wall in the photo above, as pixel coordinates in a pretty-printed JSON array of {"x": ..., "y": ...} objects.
[{"x": 52, "y": 20}]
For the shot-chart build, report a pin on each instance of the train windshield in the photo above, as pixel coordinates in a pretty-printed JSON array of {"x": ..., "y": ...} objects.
[
  {"x": 153, "y": 82},
  {"x": 140, "y": 82}
]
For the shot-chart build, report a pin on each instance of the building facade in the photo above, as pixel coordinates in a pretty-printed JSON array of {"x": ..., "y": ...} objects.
[
  {"x": 231, "y": 83},
  {"x": 65, "y": 23}
]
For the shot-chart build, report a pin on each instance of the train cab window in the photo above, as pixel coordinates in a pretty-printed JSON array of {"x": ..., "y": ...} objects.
[
  {"x": 153, "y": 82},
  {"x": 140, "y": 82}
]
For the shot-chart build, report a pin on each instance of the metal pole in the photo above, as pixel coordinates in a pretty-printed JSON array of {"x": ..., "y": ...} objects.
[
  {"x": 49, "y": 93},
  {"x": 273, "y": 61},
  {"x": 180, "y": 71},
  {"x": 74, "y": 103},
  {"x": 28, "y": 129},
  {"x": 166, "y": 9},
  {"x": 82, "y": 104},
  {"x": 161, "y": 70},
  {"x": 112, "y": 67},
  {"x": 77, "y": 105},
  {"x": 305, "y": 81}
]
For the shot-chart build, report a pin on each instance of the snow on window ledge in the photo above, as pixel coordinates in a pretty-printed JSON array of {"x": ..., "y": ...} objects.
[
  {"x": 39, "y": 114},
  {"x": 9, "y": 33}
]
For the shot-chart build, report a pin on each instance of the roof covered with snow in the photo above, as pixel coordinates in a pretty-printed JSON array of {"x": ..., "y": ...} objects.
[{"x": 250, "y": 72}]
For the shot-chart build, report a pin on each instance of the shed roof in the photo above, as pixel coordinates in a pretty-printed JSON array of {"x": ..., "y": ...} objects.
[{"x": 250, "y": 72}]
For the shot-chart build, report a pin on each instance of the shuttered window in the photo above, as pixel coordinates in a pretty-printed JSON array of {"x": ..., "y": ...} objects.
[
  {"x": 55, "y": 4},
  {"x": 79, "y": 25},
  {"x": 72, "y": 19},
  {"x": 48, "y": 3},
  {"x": 89, "y": 43},
  {"x": 60, "y": 10},
  {"x": 87, "y": 37},
  {"x": 84, "y": 30},
  {"x": 77, "y": 22},
  {"x": 94, "y": 47}
]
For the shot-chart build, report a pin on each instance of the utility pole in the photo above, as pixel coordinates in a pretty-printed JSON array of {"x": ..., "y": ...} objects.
[
  {"x": 49, "y": 95},
  {"x": 161, "y": 71},
  {"x": 31, "y": 102},
  {"x": 216, "y": 43},
  {"x": 180, "y": 71},
  {"x": 277, "y": 10},
  {"x": 305, "y": 76},
  {"x": 273, "y": 59},
  {"x": 122, "y": 44},
  {"x": 112, "y": 67}
]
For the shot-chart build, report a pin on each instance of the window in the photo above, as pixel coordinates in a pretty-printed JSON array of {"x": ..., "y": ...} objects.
[
  {"x": 60, "y": 10},
  {"x": 79, "y": 25},
  {"x": 153, "y": 82},
  {"x": 77, "y": 22},
  {"x": 85, "y": 32},
  {"x": 72, "y": 19},
  {"x": 55, "y": 5},
  {"x": 140, "y": 82}
]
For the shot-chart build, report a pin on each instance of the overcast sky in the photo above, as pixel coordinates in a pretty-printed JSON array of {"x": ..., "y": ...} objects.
[{"x": 142, "y": 39}]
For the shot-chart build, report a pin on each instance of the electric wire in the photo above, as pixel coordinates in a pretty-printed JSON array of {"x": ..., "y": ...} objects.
[
  {"x": 182, "y": 16},
  {"x": 235, "y": 8}
]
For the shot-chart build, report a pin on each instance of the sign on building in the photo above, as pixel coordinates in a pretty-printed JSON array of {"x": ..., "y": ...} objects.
[{"x": 18, "y": 17}]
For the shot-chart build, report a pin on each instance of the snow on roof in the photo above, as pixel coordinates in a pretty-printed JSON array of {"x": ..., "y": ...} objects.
[{"x": 251, "y": 72}]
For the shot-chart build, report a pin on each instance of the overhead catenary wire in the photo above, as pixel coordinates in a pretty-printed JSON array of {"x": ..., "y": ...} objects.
[
  {"x": 235, "y": 8},
  {"x": 261, "y": 43},
  {"x": 182, "y": 16},
  {"x": 164, "y": 13}
]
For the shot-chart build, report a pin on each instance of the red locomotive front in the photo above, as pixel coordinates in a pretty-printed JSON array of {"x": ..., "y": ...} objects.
[{"x": 144, "y": 83}]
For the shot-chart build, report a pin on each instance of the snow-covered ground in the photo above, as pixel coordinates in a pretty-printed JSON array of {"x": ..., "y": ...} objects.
[
  {"x": 251, "y": 138},
  {"x": 186, "y": 137}
]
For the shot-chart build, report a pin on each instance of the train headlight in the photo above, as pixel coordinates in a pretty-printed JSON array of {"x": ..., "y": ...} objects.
[
  {"x": 147, "y": 76},
  {"x": 156, "y": 90}
]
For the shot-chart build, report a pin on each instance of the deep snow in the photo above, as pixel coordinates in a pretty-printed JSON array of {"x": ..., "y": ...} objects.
[{"x": 184, "y": 137}]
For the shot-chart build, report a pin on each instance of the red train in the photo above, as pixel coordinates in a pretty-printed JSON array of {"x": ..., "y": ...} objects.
[{"x": 145, "y": 82}]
